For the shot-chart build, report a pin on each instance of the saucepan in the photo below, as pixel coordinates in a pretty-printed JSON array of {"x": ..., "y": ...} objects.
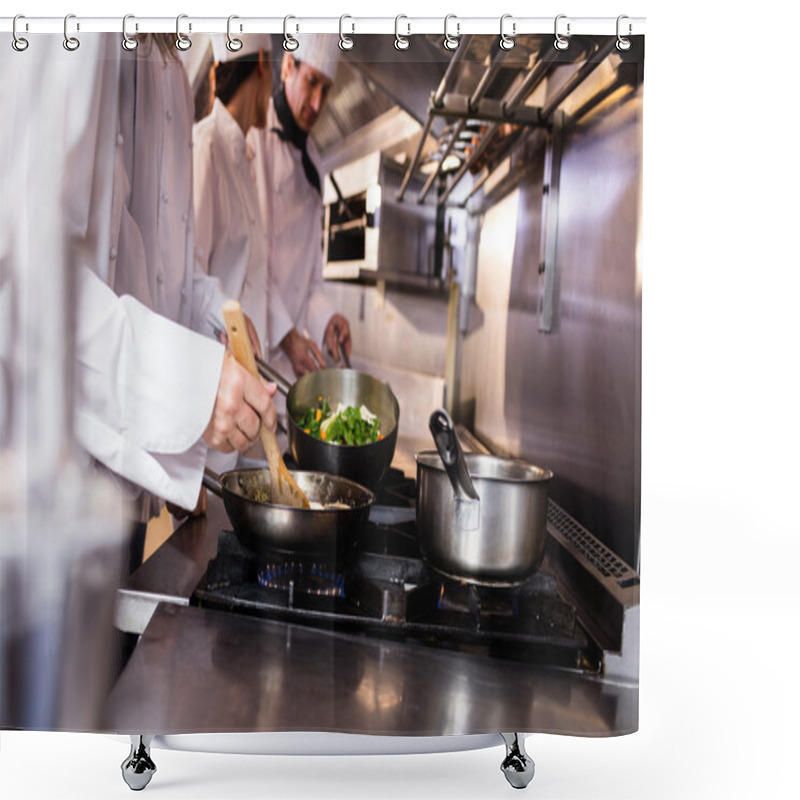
[
  {"x": 365, "y": 464},
  {"x": 481, "y": 519},
  {"x": 330, "y": 528}
]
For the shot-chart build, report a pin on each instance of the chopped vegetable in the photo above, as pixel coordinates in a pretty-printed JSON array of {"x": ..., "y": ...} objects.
[{"x": 349, "y": 425}]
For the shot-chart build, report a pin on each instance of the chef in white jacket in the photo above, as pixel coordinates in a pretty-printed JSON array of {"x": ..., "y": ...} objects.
[
  {"x": 230, "y": 242},
  {"x": 302, "y": 319},
  {"x": 153, "y": 395}
]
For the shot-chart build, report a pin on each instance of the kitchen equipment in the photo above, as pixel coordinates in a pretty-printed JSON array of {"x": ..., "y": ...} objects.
[
  {"x": 268, "y": 527},
  {"x": 467, "y": 505},
  {"x": 365, "y": 464},
  {"x": 507, "y": 544},
  {"x": 284, "y": 489}
]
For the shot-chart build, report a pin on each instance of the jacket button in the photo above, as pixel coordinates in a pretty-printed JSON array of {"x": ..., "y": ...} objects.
[
  {"x": 120, "y": 140},
  {"x": 159, "y": 278},
  {"x": 112, "y": 253},
  {"x": 165, "y": 197}
]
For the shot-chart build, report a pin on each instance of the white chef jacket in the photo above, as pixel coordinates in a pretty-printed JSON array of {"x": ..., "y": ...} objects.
[
  {"x": 230, "y": 243},
  {"x": 156, "y": 118},
  {"x": 146, "y": 385},
  {"x": 292, "y": 212}
]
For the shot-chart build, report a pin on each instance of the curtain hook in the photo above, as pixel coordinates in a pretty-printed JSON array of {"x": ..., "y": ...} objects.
[
  {"x": 345, "y": 42},
  {"x": 561, "y": 42},
  {"x": 70, "y": 42},
  {"x": 290, "y": 44},
  {"x": 128, "y": 43},
  {"x": 451, "y": 42},
  {"x": 18, "y": 42},
  {"x": 182, "y": 42},
  {"x": 623, "y": 44},
  {"x": 401, "y": 42},
  {"x": 233, "y": 44},
  {"x": 507, "y": 42}
]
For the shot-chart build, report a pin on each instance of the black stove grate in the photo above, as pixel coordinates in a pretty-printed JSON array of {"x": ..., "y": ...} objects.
[{"x": 385, "y": 589}]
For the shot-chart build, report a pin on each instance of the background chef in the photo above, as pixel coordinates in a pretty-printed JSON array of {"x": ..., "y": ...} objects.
[
  {"x": 302, "y": 320},
  {"x": 230, "y": 242}
]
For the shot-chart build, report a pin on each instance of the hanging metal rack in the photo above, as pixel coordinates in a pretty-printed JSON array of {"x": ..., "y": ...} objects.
[{"x": 480, "y": 119}]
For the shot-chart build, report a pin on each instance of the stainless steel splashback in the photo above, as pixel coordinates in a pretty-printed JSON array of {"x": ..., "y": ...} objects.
[{"x": 569, "y": 399}]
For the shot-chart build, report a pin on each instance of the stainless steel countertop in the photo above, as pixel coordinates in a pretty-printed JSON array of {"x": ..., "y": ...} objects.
[{"x": 197, "y": 670}]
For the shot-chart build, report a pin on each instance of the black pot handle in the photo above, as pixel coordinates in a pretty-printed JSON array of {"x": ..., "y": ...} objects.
[
  {"x": 212, "y": 482},
  {"x": 444, "y": 436}
]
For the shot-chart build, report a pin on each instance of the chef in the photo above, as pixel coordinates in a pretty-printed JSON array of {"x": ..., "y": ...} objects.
[
  {"x": 302, "y": 319},
  {"x": 230, "y": 243},
  {"x": 152, "y": 395}
]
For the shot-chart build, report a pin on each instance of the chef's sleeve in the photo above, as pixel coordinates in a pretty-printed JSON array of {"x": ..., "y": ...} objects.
[{"x": 147, "y": 388}]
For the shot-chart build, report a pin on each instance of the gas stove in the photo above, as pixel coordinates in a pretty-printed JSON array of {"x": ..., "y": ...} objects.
[{"x": 383, "y": 588}]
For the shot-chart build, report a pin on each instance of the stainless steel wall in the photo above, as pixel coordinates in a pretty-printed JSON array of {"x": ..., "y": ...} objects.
[{"x": 570, "y": 399}]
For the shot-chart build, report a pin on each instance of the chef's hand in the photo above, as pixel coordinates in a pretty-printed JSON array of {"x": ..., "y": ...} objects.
[
  {"x": 243, "y": 401},
  {"x": 337, "y": 337},
  {"x": 303, "y": 353}
]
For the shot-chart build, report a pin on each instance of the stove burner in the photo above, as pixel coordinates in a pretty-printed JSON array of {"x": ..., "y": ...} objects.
[
  {"x": 385, "y": 589},
  {"x": 476, "y": 600},
  {"x": 301, "y": 578}
]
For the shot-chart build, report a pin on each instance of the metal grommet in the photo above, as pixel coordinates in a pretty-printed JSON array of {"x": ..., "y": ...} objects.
[
  {"x": 128, "y": 43},
  {"x": 507, "y": 42},
  {"x": 18, "y": 42},
  {"x": 623, "y": 44},
  {"x": 345, "y": 42},
  {"x": 401, "y": 42},
  {"x": 451, "y": 42},
  {"x": 182, "y": 42},
  {"x": 70, "y": 42},
  {"x": 233, "y": 44},
  {"x": 290, "y": 44},
  {"x": 561, "y": 42}
]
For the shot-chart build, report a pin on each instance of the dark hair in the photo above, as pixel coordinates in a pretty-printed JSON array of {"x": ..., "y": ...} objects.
[{"x": 228, "y": 76}]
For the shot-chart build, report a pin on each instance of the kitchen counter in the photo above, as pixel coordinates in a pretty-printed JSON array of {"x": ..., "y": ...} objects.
[{"x": 201, "y": 670}]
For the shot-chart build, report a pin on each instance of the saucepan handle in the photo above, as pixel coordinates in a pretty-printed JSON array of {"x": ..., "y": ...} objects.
[
  {"x": 212, "y": 482},
  {"x": 270, "y": 374},
  {"x": 444, "y": 436}
]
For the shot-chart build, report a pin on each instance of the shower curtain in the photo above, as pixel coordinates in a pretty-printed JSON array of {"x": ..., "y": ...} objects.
[{"x": 524, "y": 151}]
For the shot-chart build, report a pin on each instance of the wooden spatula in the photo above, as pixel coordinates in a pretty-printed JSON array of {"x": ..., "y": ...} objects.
[{"x": 285, "y": 490}]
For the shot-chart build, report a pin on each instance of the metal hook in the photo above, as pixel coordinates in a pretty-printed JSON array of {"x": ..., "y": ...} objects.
[
  {"x": 345, "y": 42},
  {"x": 233, "y": 44},
  {"x": 128, "y": 43},
  {"x": 70, "y": 42},
  {"x": 623, "y": 44},
  {"x": 182, "y": 42},
  {"x": 507, "y": 42},
  {"x": 451, "y": 42},
  {"x": 290, "y": 44},
  {"x": 18, "y": 42},
  {"x": 401, "y": 42},
  {"x": 561, "y": 42}
]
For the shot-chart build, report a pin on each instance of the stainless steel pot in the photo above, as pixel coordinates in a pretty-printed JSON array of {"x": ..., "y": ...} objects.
[
  {"x": 267, "y": 528},
  {"x": 494, "y": 537},
  {"x": 365, "y": 464}
]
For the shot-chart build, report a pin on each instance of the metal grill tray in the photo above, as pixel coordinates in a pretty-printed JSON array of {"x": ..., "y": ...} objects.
[{"x": 388, "y": 591}]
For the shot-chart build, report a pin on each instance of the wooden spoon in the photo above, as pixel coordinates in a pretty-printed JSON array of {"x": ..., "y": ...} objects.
[{"x": 285, "y": 490}]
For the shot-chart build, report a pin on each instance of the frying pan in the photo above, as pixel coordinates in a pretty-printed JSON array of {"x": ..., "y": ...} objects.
[
  {"x": 365, "y": 464},
  {"x": 263, "y": 527}
]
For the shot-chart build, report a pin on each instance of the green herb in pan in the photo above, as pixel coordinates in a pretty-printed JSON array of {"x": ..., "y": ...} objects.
[{"x": 349, "y": 425}]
